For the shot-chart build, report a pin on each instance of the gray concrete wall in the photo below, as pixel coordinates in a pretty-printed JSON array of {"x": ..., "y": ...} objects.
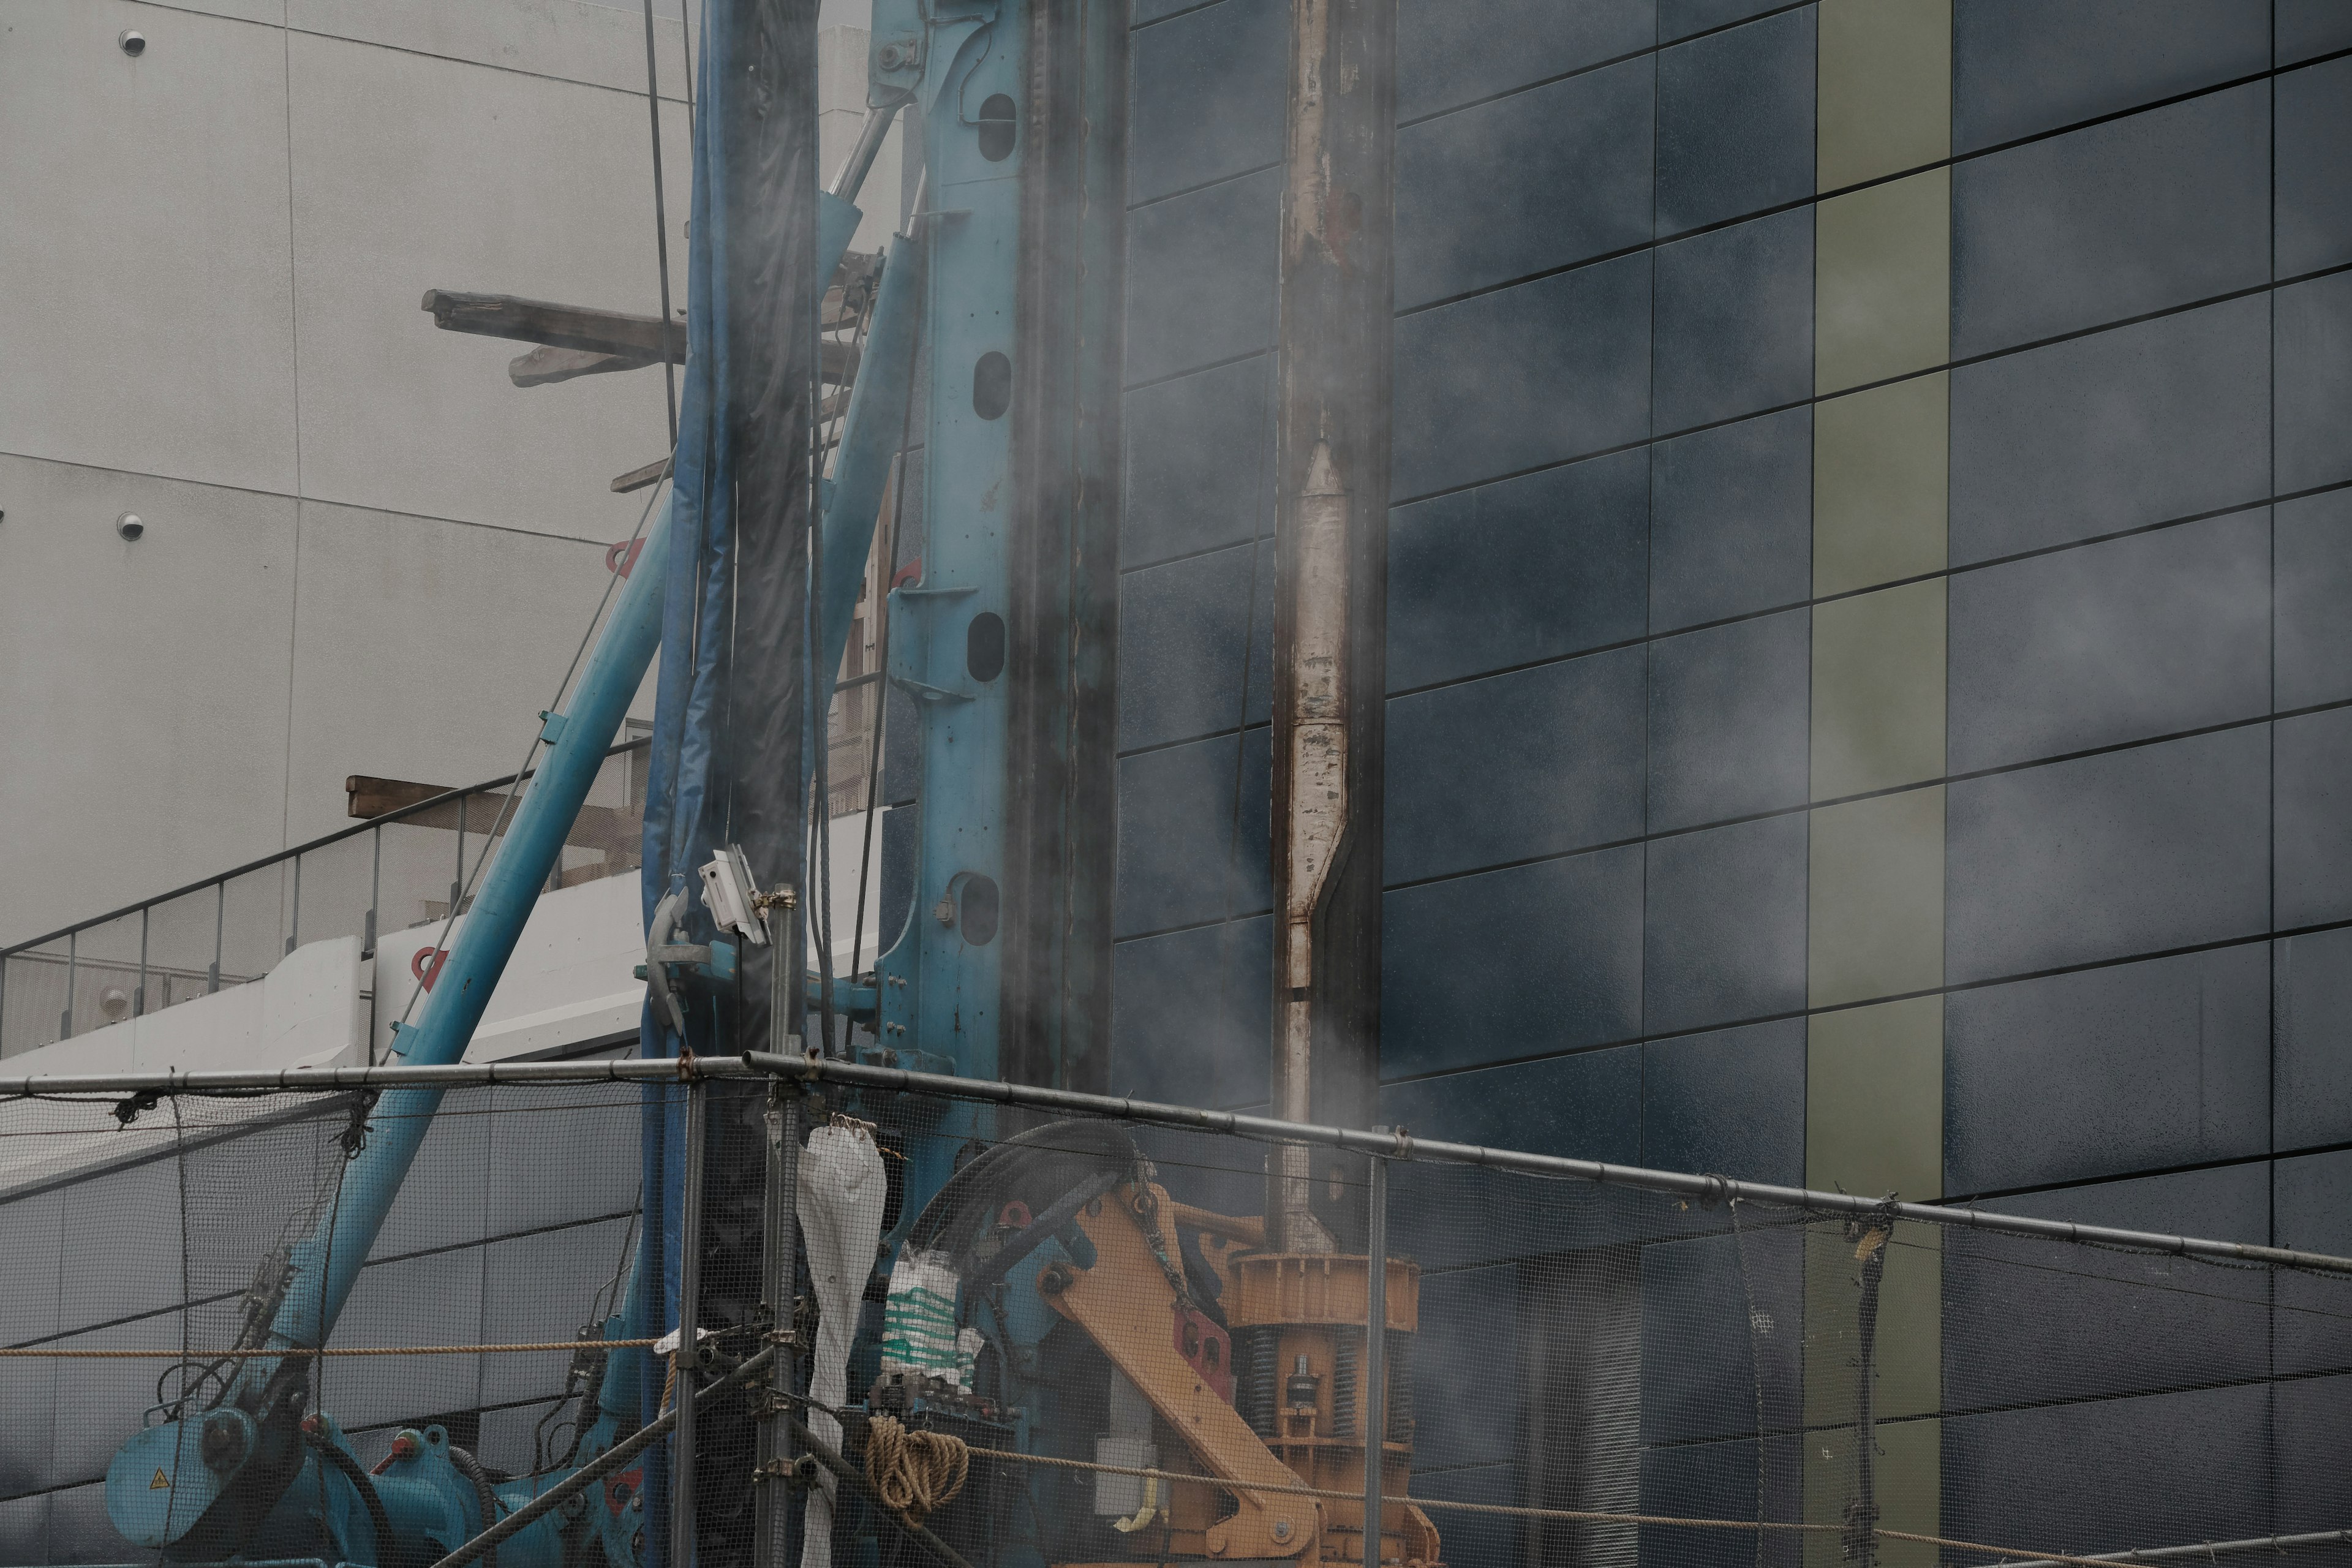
[{"x": 366, "y": 551}]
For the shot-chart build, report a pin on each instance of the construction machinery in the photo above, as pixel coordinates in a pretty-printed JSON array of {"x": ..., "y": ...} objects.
[
  {"x": 1099, "y": 1319},
  {"x": 1048, "y": 1295}
]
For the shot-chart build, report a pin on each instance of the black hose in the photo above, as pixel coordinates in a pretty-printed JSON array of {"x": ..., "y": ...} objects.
[
  {"x": 592, "y": 1405},
  {"x": 959, "y": 1205},
  {"x": 471, "y": 1469},
  {"x": 1043, "y": 1229},
  {"x": 387, "y": 1550}
]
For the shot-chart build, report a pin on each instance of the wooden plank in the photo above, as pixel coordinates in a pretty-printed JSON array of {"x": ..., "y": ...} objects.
[
  {"x": 653, "y": 473},
  {"x": 610, "y": 829},
  {"x": 558, "y": 326},
  {"x": 645, "y": 340},
  {"x": 544, "y": 366}
]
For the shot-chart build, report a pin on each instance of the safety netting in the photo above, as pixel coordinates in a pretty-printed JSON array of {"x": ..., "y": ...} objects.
[{"x": 1014, "y": 1340}]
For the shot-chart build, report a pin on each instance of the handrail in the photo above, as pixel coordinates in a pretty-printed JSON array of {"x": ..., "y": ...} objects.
[{"x": 281, "y": 856}]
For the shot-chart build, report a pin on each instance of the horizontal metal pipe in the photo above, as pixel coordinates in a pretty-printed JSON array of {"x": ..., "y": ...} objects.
[
  {"x": 2200, "y": 1549},
  {"x": 310, "y": 1080},
  {"x": 1403, "y": 1146},
  {"x": 984, "y": 1091}
]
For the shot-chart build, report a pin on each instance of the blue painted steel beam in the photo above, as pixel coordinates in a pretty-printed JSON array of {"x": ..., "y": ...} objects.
[
  {"x": 477, "y": 957},
  {"x": 942, "y": 981}
]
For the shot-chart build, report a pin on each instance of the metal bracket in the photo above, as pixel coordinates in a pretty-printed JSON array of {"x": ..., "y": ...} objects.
[
  {"x": 714, "y": 964},
  {"x": 797, "y": 1472},
  {"x": 924, "y": 692}
]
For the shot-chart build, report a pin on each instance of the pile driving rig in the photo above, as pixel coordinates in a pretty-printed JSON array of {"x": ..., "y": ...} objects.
[
  {"x": 1076, "y": 1309},
  {"x": 1109, "y": 1321}
]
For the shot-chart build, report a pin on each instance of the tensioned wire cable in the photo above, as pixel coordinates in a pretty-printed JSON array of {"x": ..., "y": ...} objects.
[
  {"x": 661, "y": 218},
  {"x": 627, "y": 557},
  {"x": 830, "y": 434},
  {"x": 539, "y": 738},
  {"x": 2013, "y": 1554}
]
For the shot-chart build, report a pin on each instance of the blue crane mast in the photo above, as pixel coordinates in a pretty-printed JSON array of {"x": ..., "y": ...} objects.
[
  {"x": 1059, "y": 1301},
  {"x": 990, "y": 266}
]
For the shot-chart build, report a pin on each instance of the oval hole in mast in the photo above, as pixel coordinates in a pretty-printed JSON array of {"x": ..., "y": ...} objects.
[
  {"x": 983, "y": 647},
  {"x": 996, "y": 128},
  {"x": 977, "y": 909},
  {"x": 992, "y": 386}
]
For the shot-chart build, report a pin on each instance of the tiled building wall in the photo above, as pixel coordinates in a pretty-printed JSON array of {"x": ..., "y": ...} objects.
[{"x": 1869, "y": 684}]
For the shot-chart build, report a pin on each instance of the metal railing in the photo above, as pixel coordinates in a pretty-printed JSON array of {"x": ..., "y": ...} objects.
[{"x": 406, "y": 867}]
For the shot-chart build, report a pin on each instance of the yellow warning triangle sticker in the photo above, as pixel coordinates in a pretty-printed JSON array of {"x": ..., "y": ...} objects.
[{"x": 162, "y": 1483}]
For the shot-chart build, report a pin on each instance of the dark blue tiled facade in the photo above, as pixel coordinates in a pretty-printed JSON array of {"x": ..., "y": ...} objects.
[
  {"x": 1600, "y": 552},
  {"x": 1606, "y": 815}
]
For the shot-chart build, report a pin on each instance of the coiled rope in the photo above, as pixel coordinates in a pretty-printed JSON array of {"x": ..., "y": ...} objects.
[{"x": 914, "y": 1473}]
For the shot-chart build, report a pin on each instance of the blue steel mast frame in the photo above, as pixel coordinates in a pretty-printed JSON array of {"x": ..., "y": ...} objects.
[{"x": 939, "y": 985}]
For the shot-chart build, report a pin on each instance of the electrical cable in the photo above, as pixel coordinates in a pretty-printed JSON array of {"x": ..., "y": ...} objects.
[
  {"x": 815, "y": 726},
  {"x": 661, "y": 223},
  {"x": 882, "y": 690},
  {"x": 823, "y": 437},
  {"x": 2019, "y": 1557},
  {"x": 387, "y": 1545},
  {"x": 465, "y": 1465},
  {"x": 538, "y": 736}
]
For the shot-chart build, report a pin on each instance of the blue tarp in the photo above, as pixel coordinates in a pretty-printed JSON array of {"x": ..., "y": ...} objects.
[{"x": 680, "y": 764}]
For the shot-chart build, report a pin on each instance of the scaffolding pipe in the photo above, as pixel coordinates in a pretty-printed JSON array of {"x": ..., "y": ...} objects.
[
  {"x": 780, "y": 1264},
  {"x": 688, "y": 1356},
  {"x": 1396, "y": 1144},
  {"x": 594, "y": 1470},
  {"x": 1374, "y": 1404}
]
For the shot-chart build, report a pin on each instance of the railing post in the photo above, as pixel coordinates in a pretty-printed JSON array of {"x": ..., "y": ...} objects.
[
  {"x": 139, "y": 998},
  {"x": 375, "y": 884},
  {"x": 1375, "y": 1422},
  {"x": 689, "y": 1310},
  {"x": 458, "y": 883},
  {"x": 65, "y": 1018},
  {"x": 294, "y": 909},
  {"x": 220, "y": 923}
]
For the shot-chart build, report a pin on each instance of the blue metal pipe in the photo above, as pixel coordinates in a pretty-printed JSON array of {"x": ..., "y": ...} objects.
[
  {"x": 327, "y": 1263},
  {"x": 869, "y": 443}
]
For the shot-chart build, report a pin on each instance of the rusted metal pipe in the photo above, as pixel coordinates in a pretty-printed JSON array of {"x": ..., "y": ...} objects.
[{"x": 1331, "y": 458}]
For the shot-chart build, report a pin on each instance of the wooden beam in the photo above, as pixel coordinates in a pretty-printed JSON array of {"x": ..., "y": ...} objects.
[
  {"x": 641, "y": 339},
  {"x": 607, "y": 828},
  {"x": 559, "y": 326},
  {"x": 653, "y": 473},
  {"x": 544, "y": 366}
]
